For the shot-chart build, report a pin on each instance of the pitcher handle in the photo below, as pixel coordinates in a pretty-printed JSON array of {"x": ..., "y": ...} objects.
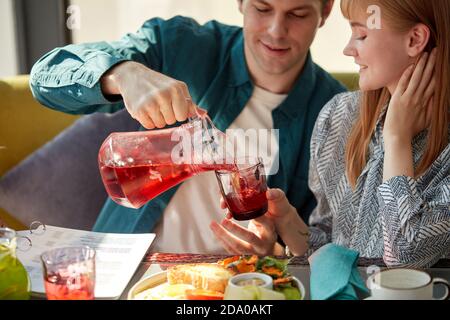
[
  {"x": 199, "y": 112},
  {"x": 437, "y": 281}
]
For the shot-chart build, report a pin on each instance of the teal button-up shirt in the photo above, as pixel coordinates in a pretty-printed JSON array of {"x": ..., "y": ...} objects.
[{"x": 210, "y": 60}]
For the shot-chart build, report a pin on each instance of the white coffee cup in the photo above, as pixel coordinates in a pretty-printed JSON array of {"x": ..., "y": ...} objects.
[{"x": 404, "y": 284}]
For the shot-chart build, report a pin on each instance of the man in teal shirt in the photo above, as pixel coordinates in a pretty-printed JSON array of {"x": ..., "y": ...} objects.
[{"x": 156, "y": 72}]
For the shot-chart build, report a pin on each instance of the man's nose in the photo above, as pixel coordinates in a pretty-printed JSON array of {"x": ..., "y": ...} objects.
[{"x": 278, "y": 27}]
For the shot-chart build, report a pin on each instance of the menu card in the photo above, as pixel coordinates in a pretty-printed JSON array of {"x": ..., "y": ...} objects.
[{"x": 117, "y": 256}]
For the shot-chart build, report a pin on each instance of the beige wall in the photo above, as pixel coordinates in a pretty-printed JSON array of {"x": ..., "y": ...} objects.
[
  {"x": 331, "y": 41},
  {"x": 8, "y": 59},
  {"x": 110, "y": 19}
]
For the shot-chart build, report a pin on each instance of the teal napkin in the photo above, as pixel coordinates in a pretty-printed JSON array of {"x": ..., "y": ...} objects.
[{"x": 334, "y": 274}]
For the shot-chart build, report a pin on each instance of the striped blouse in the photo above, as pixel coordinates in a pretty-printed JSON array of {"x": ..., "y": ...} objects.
[{"x": 403, "y": 220}]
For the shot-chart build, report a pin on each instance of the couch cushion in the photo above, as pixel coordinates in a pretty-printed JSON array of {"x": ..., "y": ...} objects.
[
  {"x": 350, "y": 80},
  {"x": 60, "y": 184}
]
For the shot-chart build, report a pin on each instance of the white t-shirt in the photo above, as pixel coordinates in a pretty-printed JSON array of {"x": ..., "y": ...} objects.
[{"x": 184, "y": 226}]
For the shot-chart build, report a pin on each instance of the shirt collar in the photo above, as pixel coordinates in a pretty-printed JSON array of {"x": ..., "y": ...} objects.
[
  {"x": 300, "y": 95},
  {"x": 239, "y": 71},
  {"x": 301, "y": 92}
]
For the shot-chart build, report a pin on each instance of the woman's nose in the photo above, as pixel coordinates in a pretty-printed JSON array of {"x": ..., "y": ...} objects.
[{"x": 350, "y": 50}]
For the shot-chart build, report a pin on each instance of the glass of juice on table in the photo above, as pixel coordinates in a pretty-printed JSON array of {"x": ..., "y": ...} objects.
[
  {"x": 244, "y": 189},
  {"x": 69, "y": 273}
]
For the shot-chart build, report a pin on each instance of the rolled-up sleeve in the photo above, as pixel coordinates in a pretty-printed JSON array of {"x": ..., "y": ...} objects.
[
  {"x": 68, "y": 78},
  {"x": 416, "y": 225}
]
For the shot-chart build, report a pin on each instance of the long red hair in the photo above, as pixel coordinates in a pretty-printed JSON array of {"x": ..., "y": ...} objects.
[{"x": 402, "y": 15}]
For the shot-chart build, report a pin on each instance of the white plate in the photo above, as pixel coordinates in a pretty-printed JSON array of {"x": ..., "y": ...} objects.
[
  {"x": 147, "y": 283},
  {"x": 161, "y": 277},
  {"x": 301, "y": 288}
]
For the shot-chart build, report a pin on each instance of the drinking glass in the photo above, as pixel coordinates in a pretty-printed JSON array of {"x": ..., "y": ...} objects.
[
  {"x": 69, "y": 273},
  {"x": 244, "y": 189},
  {"x": 14, "y": 280}
]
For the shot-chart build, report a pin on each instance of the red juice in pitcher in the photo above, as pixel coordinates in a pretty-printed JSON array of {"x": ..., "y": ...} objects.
[
  {"x": 138, "y": 166},
  {"x": 135, "y": 185}
]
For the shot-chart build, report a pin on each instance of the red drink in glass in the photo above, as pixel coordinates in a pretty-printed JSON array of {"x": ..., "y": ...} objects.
[
  {"x": 69, "y": 273},
  {"x": 247, "y": 205},
  {"x": 244, "y": 190},
  {"x": 63, "y": 288}
]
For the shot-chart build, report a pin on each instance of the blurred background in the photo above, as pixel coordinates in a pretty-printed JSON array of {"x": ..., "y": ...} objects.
[{"x": 30, "y": 28}]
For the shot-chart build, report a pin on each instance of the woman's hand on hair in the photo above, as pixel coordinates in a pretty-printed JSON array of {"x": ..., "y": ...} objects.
[
  {"x": 411, "y": 104},
  {"x": 408, "y": 114}
]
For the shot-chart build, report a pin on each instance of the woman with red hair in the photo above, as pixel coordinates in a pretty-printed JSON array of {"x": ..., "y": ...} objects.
[{"x": 380, "y": 158}]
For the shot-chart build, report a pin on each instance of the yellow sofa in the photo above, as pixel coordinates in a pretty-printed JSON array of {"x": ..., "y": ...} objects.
[{"x": 25, "y": 125}]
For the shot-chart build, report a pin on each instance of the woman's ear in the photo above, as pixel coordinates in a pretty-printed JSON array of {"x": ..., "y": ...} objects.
[{"x": 418, "y": 39}]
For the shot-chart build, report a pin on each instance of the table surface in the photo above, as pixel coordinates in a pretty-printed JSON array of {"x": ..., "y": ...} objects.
[{"x": 157, "y": 262}]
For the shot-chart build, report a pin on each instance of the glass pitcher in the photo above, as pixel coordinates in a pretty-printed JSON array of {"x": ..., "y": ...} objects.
[
  {"x": 14, "y": 280},
  {"x": 138, "y": 166}
]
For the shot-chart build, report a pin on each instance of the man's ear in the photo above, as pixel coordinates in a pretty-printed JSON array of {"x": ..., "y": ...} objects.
[
  {"x": 240, "y": 3},
  {"x": 326, "y": 11},
  {"x": 418, "y": 39}
]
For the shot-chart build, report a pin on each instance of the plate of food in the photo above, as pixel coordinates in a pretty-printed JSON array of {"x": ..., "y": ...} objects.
[
  {"x": 197, "y": 281},
  {"x": 235, "y": 278},
  {"x": 283, "y": 281}
]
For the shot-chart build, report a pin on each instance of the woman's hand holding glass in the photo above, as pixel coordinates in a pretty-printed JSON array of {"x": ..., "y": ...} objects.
[{"x": 260, "y": 237}]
